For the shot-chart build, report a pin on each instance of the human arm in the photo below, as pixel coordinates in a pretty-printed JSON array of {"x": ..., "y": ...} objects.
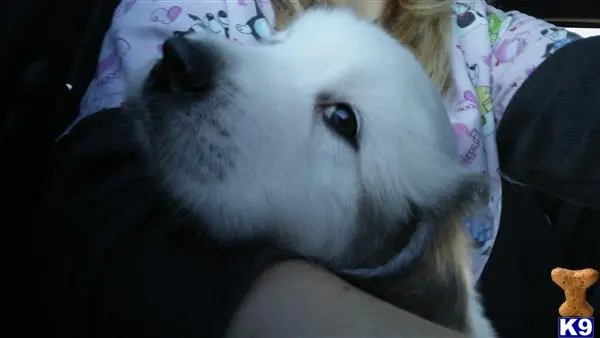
[{"x": 296, "y": 299}]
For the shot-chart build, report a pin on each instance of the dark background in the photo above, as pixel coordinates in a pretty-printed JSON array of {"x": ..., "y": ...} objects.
[{"x": 574, "y": 13}]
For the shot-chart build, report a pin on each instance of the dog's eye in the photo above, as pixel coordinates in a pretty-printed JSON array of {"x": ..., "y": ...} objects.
[{"x": 342, "y": 119}]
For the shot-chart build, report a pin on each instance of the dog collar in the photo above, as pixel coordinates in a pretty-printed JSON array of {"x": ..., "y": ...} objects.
[
  {"x": 408, "y": 255},
  {"x": 390, "y": 268}
]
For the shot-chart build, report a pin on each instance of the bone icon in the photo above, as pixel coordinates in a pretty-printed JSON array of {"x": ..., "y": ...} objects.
[{"x": 575, "y": 283}]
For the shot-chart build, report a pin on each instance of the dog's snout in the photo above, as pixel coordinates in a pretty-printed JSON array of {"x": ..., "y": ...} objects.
[{"x": 187, "y": 66}]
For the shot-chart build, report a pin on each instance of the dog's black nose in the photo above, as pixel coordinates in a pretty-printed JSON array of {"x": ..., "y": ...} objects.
[{"x": 186, "y": 67}]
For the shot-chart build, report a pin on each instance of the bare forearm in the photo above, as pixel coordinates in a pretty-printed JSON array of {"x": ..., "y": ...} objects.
[{"x": 296, "y": 299}]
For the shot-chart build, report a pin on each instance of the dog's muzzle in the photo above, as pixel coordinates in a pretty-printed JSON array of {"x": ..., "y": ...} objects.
[{"x": 187, "y": 66}]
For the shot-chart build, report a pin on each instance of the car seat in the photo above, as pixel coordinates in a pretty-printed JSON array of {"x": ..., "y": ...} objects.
[{"x": 46, "y": 44}]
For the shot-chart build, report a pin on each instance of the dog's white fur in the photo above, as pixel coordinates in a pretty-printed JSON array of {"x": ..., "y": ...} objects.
[{"x": 253, "y": 159}]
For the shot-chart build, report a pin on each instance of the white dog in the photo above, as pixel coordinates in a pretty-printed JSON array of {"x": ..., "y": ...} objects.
[{"x": 329, "y": 140}]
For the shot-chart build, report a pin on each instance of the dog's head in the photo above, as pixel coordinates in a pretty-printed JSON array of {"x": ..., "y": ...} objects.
[{"x": 329, "y": 135}]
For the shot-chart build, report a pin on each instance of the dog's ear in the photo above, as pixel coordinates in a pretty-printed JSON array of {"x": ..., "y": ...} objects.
[
  {"x": 457, "y": 198},
  {"x": 440, "y": 188}
]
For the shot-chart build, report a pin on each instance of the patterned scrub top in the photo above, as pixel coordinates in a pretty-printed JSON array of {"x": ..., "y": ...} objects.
[{"x": 492, "y": 54}]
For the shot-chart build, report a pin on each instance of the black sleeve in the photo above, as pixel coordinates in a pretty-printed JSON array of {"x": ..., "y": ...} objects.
[
  {"x": 111, "y": 260},
  {"x": 548, "y": 141}
]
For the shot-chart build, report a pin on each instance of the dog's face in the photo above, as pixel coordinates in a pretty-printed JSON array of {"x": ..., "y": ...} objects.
[{"x": 327, "y": 136}]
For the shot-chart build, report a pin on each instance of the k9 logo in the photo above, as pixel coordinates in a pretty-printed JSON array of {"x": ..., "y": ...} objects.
[{"x": 571, "y": 327}]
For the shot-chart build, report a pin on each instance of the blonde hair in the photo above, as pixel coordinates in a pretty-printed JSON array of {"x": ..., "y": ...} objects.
[{"x": 424, "y": 26}]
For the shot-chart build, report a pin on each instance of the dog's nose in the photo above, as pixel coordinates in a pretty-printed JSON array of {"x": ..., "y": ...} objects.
[{"x": 186, "y": 67}]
